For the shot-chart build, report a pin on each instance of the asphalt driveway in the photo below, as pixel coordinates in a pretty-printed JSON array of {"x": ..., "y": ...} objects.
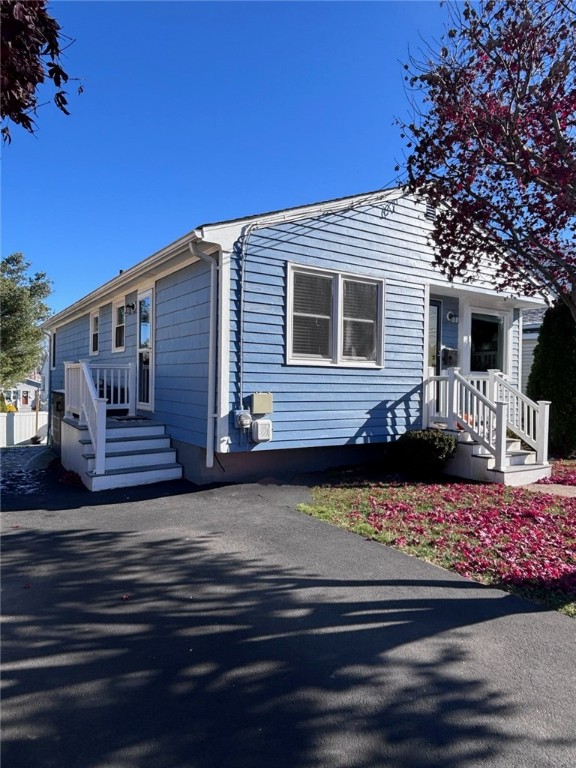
[{"x": 174, "y": 627}]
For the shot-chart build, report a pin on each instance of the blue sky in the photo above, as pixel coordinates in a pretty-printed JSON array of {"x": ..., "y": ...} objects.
[{"x": 195, "y": 112}]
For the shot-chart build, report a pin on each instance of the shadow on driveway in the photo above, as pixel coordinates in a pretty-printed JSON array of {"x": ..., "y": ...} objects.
[
  {"x": 162, "y": 653},
  {"x": 176, "y": 627}
]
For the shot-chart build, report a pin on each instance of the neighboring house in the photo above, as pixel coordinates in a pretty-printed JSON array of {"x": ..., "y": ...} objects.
[
  {"x": 531, "y": 323},
  {"x": 22, "y": 395},
  {"x": 297, "y": 339},
  {"x": 26, "y": 424}
]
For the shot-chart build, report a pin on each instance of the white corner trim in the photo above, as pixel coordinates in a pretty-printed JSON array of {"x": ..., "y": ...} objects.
[
  {"x": 223, "y": 401},
  {"x": 426, "y": 331}
]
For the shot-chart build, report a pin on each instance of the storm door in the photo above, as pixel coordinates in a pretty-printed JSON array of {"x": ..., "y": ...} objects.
[
  {"x": 145, "y": 362},
  {"x": 487, "y": 342},
  {"x": 434, "y": 335}
]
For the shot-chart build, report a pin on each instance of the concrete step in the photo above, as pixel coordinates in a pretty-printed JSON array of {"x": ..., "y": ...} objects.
[
  {"x": 512, "y": 445},
  {"x": 473, "y": 462},
  {"x": 520, "y": 474},
  {"x": 126, "y": 478},
  {"x": 520, "y": 457}
]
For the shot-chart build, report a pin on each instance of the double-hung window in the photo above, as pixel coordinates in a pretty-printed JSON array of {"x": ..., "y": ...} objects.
[
  {"x": 119, "y": 326},
  {"x": 94, "y": 332},
  {"x": 334, "y": 318}
]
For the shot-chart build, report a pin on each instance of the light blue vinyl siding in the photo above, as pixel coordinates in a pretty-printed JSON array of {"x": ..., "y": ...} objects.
[
  {"x": 449, "y": 331},
  {"x": 324, "y": 405},
  {"x": 182, "y": 338},
  {"x": 73, "y": 342}
]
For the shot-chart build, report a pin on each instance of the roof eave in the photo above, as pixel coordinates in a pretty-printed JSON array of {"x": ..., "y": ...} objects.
[{"x": 168, "y": 259}]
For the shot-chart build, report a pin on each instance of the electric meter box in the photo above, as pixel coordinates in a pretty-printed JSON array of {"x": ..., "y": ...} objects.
[
  {"x": 262, "y": 402},
  {"x": 261, "y": 430}
]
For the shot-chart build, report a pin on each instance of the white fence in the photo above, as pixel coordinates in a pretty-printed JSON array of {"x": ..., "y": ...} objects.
[{"x": 19, "y": 428}]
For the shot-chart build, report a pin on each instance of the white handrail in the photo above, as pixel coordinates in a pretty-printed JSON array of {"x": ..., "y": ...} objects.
[
  {"x": 486, "y": 405},
  {"x": 82, "y": 400},
  {"x": 477, "y": 415},
  {"x": 527, "y": 419}
]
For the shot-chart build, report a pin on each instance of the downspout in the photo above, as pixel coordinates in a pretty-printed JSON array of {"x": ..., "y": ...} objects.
[
  {"x": 243, "y": 259},
  {"x": 211, "y": 404}
]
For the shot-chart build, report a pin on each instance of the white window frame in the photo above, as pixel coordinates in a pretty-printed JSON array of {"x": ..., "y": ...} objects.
[
  {"x": 116, "y": 305},
  {"x": 94, "y": 316},
  {"x": 337, "y": 318},
  {"x": 465, "y": 335}
]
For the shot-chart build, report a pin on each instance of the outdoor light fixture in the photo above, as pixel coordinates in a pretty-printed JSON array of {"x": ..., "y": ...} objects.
[{"x": 130, "y": 308}]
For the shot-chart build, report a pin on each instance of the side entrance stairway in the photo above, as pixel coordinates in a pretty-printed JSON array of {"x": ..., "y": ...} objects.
[
  {"x": 103, "y": 439},
  {"x": 136, "y": 452}
]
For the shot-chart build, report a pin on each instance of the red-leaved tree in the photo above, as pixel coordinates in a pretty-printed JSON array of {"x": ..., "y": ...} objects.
[
  {"x": 493, "y": 143},
  {"x": 31, "y": 47}
]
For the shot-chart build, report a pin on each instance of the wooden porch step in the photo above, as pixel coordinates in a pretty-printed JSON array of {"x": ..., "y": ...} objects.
[
  {"x": 132, "y": 443},
  {"x": 130, "y": 459},
  {"x": 137, "y": 452},
  {"x": 133, "y": 428},
  {"x": 124, "y": 478}
]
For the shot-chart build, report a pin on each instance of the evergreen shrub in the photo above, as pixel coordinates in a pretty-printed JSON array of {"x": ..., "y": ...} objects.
[
  {"x": 424, "y": 452},
  {"x": 553, "y": 377}
]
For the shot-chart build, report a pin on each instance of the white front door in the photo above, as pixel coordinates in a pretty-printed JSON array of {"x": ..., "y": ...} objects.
[{"x": 145, "y": 350}]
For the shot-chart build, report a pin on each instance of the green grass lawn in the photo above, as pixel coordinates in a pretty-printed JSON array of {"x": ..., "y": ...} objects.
[{"x": 519, "y": 540}]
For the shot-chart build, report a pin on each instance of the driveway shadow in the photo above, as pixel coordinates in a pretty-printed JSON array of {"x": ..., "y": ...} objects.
[{"x": 125, "y": 650}]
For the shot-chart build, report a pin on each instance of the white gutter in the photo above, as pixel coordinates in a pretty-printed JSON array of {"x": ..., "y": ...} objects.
[
  {"x": 211, "y": 414},
  {"x": 165, "y": 261}
]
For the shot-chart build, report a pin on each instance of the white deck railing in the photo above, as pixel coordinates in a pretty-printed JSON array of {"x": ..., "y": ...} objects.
[
  {"x": 486, "y": 406},
  {"x": 527, "y": 419},
  {"x": 92, "y": 390}
]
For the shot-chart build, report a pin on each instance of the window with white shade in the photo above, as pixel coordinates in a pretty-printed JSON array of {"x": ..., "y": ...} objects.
[{"x": 334, "y": 318}]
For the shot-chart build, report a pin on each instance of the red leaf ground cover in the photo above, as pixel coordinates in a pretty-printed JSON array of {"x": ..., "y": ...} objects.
[
  {"x": 563, "y": 473},
  {"x": 498, "y": 535}
]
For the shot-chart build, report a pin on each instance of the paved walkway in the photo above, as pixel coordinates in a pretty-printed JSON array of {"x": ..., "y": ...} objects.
[
  {"x": 557, "y": 490},
  {"x": 172, "y": 627}
]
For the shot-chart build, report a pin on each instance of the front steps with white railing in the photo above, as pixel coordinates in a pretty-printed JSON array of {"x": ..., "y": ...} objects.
[
  {"x": 473, "y": 462},
  {"x": 137, "y": 452}
]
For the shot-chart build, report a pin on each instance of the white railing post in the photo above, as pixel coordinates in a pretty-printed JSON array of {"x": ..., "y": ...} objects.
[
  {"x": 491, "y": 394},
  {"x": 452, "y": 399},
  {"x": 500, "y": 436},
  {"x": 67, "y": 387},
  {"x": 428, "y": 399},
  {"x": 132, "y": 390},
  {"x": 100, "y": 444},
  {"x": 542, "y": 431}
]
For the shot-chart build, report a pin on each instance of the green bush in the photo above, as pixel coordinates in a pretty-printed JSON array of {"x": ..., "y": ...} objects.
[
  {"x": 553, "y": 377},
  {"x": 424, "y": 452}
]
